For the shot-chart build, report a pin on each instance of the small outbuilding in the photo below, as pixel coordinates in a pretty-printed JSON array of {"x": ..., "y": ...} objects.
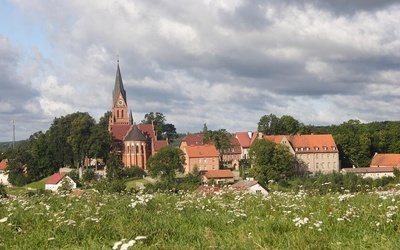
[
  {"x": 217, "y": 176},
  {"x": 250, "y": 186},
  {"x": 56, "y": 180}
]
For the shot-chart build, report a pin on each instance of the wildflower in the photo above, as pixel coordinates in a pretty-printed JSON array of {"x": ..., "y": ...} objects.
[
  {"x": 127, "y": 245},
  {"x": 140, "y": 238},
  {"x": 51, "y": 238},
  {"x": 4, "y": 219}
]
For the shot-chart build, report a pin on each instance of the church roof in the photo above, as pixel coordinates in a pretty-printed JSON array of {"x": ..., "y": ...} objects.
[
  {"x": 119, "y": 131},
  {"x": 148, "y": 130},
  {"x": 135, "y": 134},
  {"x": 118, "y": 87}
]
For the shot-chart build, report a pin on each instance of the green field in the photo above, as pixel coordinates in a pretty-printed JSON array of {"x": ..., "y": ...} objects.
[{"x": 224, "y": 220}]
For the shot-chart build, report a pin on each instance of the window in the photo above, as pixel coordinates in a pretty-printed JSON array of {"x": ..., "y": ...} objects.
[
  {"x": 316, "y": 165},
  {"x": 296, "y": 149},
  {"x": 328, "y": 155},
  {"x": 325, "y": 148},
  {"x": 199, "y": 161},
  {"x": 258, "y": 191},
  {"x": 322, "y": 156},
  {"x": 322, "y": 165},
  {"x": 329, "y": 165},
  {"x": 308, "y": 156},
  {"x": 316, "y": 156},
  {"x": 316, "y": 148},
  {"x": 205, "y": 160},
  {"x": 117, "y": 113},
  {"x": 334, "y": 164},
  {"x": 213, "y": 167}
]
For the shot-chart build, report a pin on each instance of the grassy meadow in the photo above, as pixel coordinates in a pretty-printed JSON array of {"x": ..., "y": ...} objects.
[{"x": 190, "y": 220}]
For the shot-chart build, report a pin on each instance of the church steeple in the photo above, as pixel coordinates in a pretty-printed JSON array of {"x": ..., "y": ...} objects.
[
  {"x": 119, "y": 89},
  {"x": 119, "y": 104}
]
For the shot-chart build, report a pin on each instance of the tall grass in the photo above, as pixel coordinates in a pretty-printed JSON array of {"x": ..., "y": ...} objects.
[{"x": 190, "y": 220}]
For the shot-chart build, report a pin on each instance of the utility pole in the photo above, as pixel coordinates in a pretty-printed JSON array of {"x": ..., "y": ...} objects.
[{"x": 13, "y": 144}]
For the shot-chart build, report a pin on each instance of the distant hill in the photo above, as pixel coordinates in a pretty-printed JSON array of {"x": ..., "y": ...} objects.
[{"x": 7, "y": 145}]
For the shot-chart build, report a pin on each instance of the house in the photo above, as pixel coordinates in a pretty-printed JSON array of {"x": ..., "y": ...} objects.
[
  {"x": 137, "y": 142},
  {"x": 204, "y": 157},
  {"x": 314, "y": 153},
  {"x": 232, "y": 155},
  {"x": 217, "y": 176},
  {"x": 250, "y": 186},
  {"x": 191, "y": 140},
  {"x": 56, "y": 180},
  {"x": 371, "y": 172},
  {"x": 3, "y": 174},
  {"x": 385, "y": 160},
  {"x": 245, "y": 140}
]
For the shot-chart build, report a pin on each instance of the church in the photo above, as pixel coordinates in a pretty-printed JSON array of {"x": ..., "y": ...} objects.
[{"x": 137, "y": 142}]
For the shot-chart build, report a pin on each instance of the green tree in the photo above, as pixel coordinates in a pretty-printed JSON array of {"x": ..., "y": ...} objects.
[
  {"x": 221, "y": 139},
  {"x": 270, "y": 161},
  {"x": 79, "y": 137},
  {"x": 41, "y": 162},
  {"x": 163, "y": 130},
  {"x": 166, "y": 162},
  {"x": 115, "y": 167},
  {"x": 288, "y": 125},
  {"x": 269, "y": 124},
  {"x": 15, "y": 172}
]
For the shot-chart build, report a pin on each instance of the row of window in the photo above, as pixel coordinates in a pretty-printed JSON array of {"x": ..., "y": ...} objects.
[
  {"x": 308, "y": 156},
  {"x": 325, "y": 148},
  {"x": 322, "y": 165},
  {"x": 205, "y": 160}
]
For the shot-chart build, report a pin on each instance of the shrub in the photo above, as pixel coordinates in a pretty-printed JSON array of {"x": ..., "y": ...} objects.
[{"x": 3, "y": 192}]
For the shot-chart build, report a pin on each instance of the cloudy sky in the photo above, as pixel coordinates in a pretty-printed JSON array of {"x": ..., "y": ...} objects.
[{"x": 221, "y": 62}]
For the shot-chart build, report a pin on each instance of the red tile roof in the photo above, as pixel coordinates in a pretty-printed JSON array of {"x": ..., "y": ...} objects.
[
  {"x": 218, "y": 174},
  {"x": 308, "y": 143},
  {"x": 119, "y": 131},
  {"x": 55, "y": 178},
  {"x": 246, "y": 138},
  {"x": 275, "y": 138},
  {"x": 3, "y": 165},
  {"x": 193, "y": 139},
  {"x": 201, "y": 151},
  {"x": 148, "y": 130},
  {"x": 385, "y": 160},
  {"x": 160, "y": 144}
]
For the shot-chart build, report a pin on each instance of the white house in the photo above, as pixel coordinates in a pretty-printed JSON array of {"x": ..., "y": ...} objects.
[
  {"x": 371, "y": 172},
  {"x": 3, "y": 174},
  {"x": 56, "y": 180},
  {"x": 250, "y": 186}
]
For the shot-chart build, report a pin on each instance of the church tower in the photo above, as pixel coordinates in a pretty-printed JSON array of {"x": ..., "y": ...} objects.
[{"x": 119, "y": 111}]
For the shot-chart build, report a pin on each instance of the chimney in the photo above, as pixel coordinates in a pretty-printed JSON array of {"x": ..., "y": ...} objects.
[{"x": 250, "y": 134}]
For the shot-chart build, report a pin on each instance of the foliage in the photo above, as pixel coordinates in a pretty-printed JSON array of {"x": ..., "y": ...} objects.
[
  {"x": 88, "y": 175},
  {"x": 16, "y": 174},
  {"x": 273, "y": 125},
  {"x": 115, "y": 167},
  {"x": 166, "y": 162},
  {"x": 163, "y": 130},
  {"x": 270, "y": 161},
  {"x": 66, "y": 186},
  {"x": 105, "y": 186},
  {"x": 191, "y": 220},
  {"x": 133, "y": 171},
  {"x": 3, "y": 191},
  {"x": 221, "y": 139}
]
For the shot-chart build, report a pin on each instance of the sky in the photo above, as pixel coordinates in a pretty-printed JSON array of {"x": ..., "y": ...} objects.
[{"x": 225, "y": 63}]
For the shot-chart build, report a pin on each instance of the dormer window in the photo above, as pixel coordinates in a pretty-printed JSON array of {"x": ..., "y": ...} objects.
[
  {"x": 307, "y": 149},
  {"x": 302, "y": 149},
  {"x": 333, "y": 148},
  {"x": 296, "y": 149},
  {"x": 325, "y": 148},
  {"x": 316, "y": 148}
]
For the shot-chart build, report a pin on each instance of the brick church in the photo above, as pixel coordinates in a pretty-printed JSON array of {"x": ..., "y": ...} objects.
[{"x": 138, "y": 142}]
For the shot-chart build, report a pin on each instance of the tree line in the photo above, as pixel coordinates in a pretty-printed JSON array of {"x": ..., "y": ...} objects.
[{"x": 68, "y": 142}]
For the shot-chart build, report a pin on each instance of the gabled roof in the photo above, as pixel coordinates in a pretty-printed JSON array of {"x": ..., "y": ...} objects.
[
  {"x": 118, "y": 87},
  {"x": 323, "y": 143},
  {"x": 135, "y": 134},
  {"x": 386, "y": 160},
  {"x": 148, "y": 130},
  {"x": 3, "y": 165},
  {"x": 200, "y": 151},
  {"x": 193, "y": 139},
  {"x": 275, "y": 138},
  {"x": 160, "y": 144},
  {"x": 244, "y": 184},
  {"x": 224, "y": 173},
  {"x": 55, "y": 178},
  {"x": 246, "y": 138},
  {"x": 119, "y": 131}
]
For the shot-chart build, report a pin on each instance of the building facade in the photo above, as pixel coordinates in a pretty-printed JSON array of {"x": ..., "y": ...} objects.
[{"x": 314, "y": 153}]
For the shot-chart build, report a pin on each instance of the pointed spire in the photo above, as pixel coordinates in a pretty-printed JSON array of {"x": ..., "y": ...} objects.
[
  {"x": 119, "y": 86},
  {"x": 130, "y": 117}
]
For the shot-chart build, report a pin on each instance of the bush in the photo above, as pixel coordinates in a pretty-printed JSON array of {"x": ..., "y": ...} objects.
[
  {"x": 133, "y": 172},
  {"x": 107, "y": 186},
  {"x": 3, "y": 192}
]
